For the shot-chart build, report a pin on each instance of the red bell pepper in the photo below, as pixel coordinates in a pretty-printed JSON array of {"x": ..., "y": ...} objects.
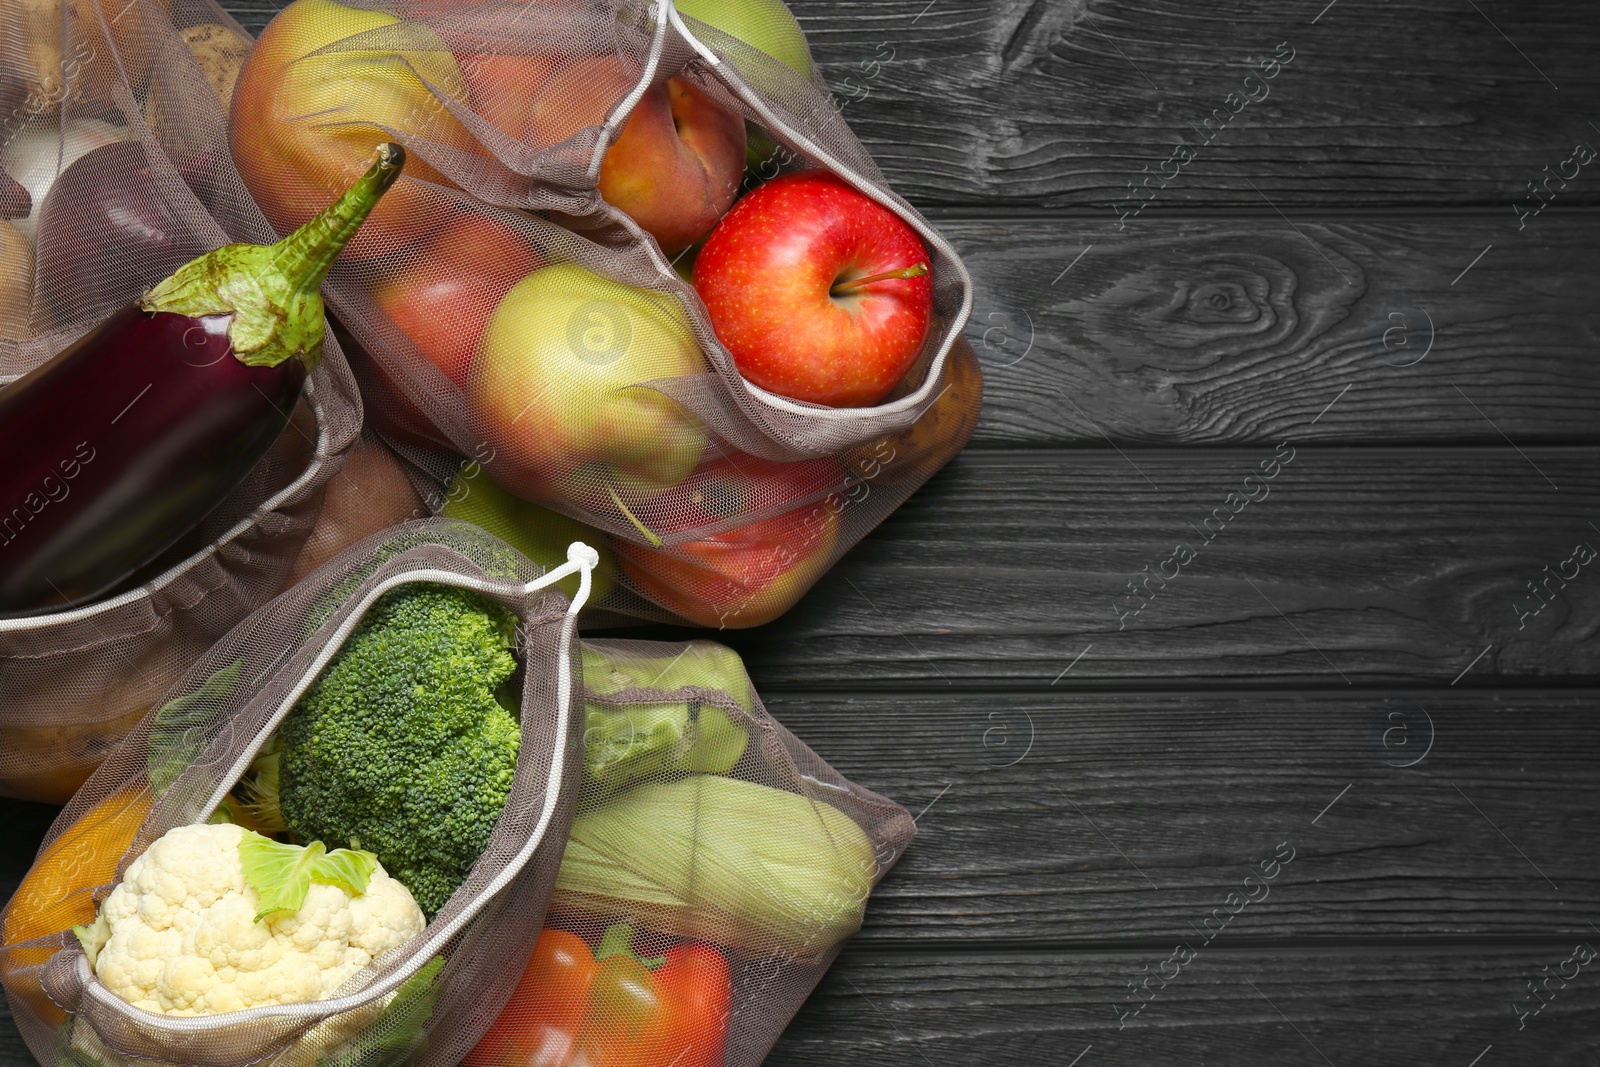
[{"x": 612, "y": 1008}]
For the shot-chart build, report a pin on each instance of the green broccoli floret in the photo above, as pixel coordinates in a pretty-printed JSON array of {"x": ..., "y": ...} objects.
[{"x": 400, "y": 747}]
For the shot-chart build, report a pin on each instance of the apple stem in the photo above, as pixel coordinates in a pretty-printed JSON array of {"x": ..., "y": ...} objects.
[
  {"x": 655, "y": 542},
  {"x": 856, "y": 283}
]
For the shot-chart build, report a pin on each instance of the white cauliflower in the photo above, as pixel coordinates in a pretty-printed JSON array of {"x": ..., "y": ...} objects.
[{"x": 184, "y": 940}]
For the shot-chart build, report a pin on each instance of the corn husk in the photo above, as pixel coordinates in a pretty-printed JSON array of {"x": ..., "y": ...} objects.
[{"x": 753, "y": 868}]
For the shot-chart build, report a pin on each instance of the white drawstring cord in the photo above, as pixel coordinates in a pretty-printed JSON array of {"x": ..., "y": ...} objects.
[{"x": 581, "y": 560}]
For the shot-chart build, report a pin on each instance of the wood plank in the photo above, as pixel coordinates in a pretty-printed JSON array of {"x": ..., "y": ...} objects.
[
  {"x": 1243, "y": 329},
  {"x": 1083, "y": 819},
  {"x": 1355, "y": 566},
  {"x": 1054, "y": 104},
  {"x": 1166, "y": 803},
  {"x": 1128, "y": 819},
  {"x": 1065, "y": 104},
  {"x": 1332, "y": 1006},
  {"x": 1245, "y": 1007},
  {"x": 13, "y": 1052},
  {"x": 1383, "y": 1006},
  {"x": 1351, "y": 1006}
]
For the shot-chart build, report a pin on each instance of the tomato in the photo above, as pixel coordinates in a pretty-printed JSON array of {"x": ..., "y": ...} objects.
[{"x": 547, "y": 1008}]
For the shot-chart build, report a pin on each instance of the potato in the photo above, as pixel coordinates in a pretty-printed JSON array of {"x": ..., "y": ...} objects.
[
  {"x": 221, "y": 54},
  {"x": 218, "y": 52},
  {"x": 16, "y": 281},
  {"x": 371, "y": 493},
  {"x": 80, "y": 60}
]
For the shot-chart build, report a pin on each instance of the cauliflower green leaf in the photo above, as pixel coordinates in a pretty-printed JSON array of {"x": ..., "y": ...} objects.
[
  {"x": 281, "y": 874},
  {"x": 93, "y": 938}
]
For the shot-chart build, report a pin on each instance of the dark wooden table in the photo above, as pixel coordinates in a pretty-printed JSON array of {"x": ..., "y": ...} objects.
[{"x": 1346, "y": 683}]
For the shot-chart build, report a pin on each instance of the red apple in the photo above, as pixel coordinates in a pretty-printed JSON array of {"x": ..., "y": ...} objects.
[
  {"x": 442, "y": 295},
  {"x": 819, "y": 292},
  {"x": 752, "y": 573},
  {"x": 677, "y": 163}
]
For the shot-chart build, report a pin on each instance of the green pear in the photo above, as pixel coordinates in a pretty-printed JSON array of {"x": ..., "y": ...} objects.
[
  {"x": 764, "y": 24},
  {"x": 538, "y": 533}
]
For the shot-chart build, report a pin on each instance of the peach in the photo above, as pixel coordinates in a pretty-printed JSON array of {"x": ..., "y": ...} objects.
[{"x": 675, "y": 167}]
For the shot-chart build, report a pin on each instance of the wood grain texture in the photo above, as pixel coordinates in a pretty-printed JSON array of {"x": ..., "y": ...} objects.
[
  {"x": 1027, "y": 102},
  {"x": 1244, "y": 329},
  {"x": 1118, "y": 818},
  {"x": 1127, "y": 818},
  {"x": 1354, "y": 566},
  {"x": 1095, "y": 771},
  {"x": 1034, "y": 103},
  {"x": 13, "y": 1051},
  {"x": 1345, "y": 1007}
]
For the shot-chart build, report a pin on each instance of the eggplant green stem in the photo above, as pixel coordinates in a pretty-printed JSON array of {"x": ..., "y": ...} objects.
[{"x": 274, "y": 292}]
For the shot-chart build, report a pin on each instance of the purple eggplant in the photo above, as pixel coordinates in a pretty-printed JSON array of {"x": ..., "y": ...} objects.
[
  {"x": 106, "y": 233},
  {"x": 124, "y": 441},
  {"x": 15, "y": 201}
]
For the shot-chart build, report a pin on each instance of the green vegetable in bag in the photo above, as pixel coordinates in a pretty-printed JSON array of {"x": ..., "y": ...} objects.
[
  {"x": 177, "y": 733},
  {"x": 397, "y": 1035},
  {"x": 703, "y": 664},
  {"x": 722, "y": 860},
  {"x": 401, "y": 747},
  {"x": 624, "y": 742}
]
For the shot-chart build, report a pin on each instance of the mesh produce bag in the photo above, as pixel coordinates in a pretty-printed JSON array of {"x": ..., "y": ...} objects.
[
  {"x": 113, "y": 137},
  {"x": 714, "y": 868},
  {"x": 508, "y": 312},
  {"x": 179, "y": 766},
  {"x": 372, "y": 492},
  {"x": 714, "y": 863}
]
